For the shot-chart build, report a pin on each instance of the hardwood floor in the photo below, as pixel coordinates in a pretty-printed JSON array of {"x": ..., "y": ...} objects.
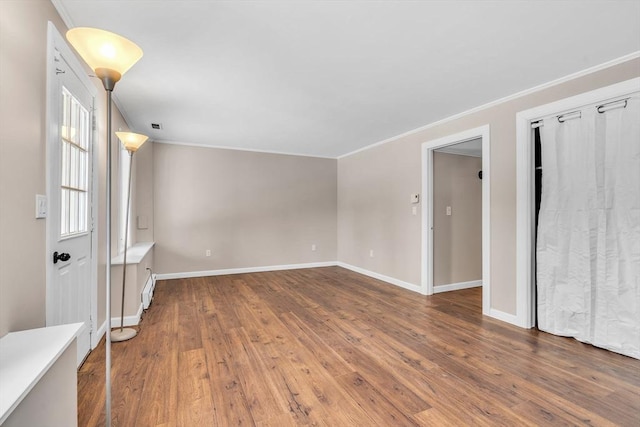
[{"x": 330, "y": 347}]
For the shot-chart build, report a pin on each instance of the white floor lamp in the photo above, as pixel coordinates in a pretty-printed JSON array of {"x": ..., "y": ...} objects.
[
  {"x": 109, "y": 56},
  {"x": 131, "y": 141}
]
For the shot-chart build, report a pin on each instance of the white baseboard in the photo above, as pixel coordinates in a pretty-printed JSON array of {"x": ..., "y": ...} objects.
[
  {"x": 128, "y": 320},
  {"x": 505, "y": 317},
  {"x": 392, "y": 280},
  {"x": 457, "y": 286},
  {"x": 222, "y": 272},
  {"x": 134, "y": 320},
  {"x": 189, "y": 274},
  {"x": 95, "y": 339},
  {"x": 115, "y": 322}
]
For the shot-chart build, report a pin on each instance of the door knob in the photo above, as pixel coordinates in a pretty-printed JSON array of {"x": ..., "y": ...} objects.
[{"x": 62, "y": 257}]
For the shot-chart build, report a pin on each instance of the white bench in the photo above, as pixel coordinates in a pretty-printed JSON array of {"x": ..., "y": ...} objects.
[{"x": 38, "y": 377}]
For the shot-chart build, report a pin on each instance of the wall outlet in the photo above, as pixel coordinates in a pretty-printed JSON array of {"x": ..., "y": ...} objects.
[
  {"x": 207, "y": 252},
  {"x": 414, "y": 210},
  {"x": 371, "y": 253},
  {"x": 313, "y": 247},
  {"x": 448, "y": 210}
]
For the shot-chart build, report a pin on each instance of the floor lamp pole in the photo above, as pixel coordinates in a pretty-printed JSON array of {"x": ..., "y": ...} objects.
[
  {"x": 108, "y": 266},
  {"x": 123, "y": 333},
  {"x": 126, "y": 239},
  {"x": 109, "y": 79}
]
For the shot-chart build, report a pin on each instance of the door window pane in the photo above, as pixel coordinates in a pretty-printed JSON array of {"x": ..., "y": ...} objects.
[{"x": 74, "y": 170}]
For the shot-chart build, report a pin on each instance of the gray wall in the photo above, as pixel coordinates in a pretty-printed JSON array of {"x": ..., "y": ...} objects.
[
  {"x": 374, "y": 187},
  {"x": 374, "y": 211},
  {"x": 457, "y": 238},
  {"x": 23, "y": 53},
  {"x": 250, "y": 209}
]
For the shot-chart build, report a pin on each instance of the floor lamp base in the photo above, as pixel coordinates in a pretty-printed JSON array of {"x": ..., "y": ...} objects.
[{"x": 124, "y": 334}]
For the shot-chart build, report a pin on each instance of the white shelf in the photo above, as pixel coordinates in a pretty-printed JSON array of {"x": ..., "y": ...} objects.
[
  {"x": 25, "y": 357},
  {"x": 135, "y": 254}
]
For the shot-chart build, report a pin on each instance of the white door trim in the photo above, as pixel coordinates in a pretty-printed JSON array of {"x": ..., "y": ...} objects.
[
  {"x": 55, "y": 41},
  {"x": 427, "y": 210},
  {"x": 525, "y": 226}
]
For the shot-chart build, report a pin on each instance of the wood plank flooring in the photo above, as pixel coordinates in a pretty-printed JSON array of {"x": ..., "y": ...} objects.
[{"x": 330, "y": 347}]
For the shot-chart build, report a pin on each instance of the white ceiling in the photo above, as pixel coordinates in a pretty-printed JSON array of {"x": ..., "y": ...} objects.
[{"x": 325, "y": 78}]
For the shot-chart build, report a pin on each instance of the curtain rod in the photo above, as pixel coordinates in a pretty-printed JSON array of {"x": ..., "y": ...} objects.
[{"x": 602, "y": 108}]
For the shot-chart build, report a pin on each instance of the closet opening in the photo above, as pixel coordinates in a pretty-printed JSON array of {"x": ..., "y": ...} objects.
[{"x": 575, "y": 231}]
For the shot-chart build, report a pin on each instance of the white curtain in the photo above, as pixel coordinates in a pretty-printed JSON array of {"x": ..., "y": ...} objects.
[{"x": 588, "y": 246}]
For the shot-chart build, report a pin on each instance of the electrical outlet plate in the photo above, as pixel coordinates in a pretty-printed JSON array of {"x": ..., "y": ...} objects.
[{"x": 41, "y": 206}]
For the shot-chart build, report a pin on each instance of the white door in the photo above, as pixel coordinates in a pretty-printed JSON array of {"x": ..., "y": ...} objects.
[{"x": 69, "y": 192}]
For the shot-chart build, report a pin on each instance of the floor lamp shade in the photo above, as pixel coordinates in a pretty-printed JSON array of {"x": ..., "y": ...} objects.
[
  {"x": 131, "y": 141},
  {"x": 108, "y": 54}
]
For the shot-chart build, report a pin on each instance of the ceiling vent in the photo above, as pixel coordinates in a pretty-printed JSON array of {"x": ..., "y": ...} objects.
[{"x": 156, "y": 125}]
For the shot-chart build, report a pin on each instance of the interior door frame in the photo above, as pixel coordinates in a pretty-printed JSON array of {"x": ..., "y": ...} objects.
[
  {"x": 525, "y": 188},
  {"x": 483, "y": 132},
  {"x": 55, "y": 41}
]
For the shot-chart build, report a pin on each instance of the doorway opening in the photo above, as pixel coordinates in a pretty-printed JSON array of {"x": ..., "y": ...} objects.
[
  {"x": 474, "y": 141},
  {"x": 457, "y": 216}
]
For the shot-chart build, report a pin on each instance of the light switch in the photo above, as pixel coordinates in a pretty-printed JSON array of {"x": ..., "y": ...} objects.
[
  {"x": 41, "y": 206},
  {"x": 448, "y": 210}
]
